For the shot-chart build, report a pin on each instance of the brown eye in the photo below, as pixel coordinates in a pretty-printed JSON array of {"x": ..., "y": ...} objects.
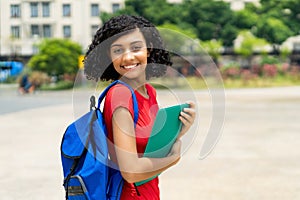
[
  {"x": 136, "y": 48},
  {"x": 117, "y": 51}
]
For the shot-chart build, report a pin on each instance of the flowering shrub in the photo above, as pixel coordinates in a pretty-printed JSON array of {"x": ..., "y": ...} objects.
[
  {"x": 283, "y": 68},
  {"x": 247, "y": 75},
  {"x": 269, "y": 70},
  {"x": 266, "y": 73},
  {"x": 230, "y": 71},
  {"x": 256, "y": 69},
  {"x": 295, "y": 72}
]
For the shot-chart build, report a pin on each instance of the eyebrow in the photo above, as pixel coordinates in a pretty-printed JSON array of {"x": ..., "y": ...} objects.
[{"x": 118, "y": 45}]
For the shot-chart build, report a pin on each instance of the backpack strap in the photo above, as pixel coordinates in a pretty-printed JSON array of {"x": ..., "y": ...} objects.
[{"x": 135, "y": 104}]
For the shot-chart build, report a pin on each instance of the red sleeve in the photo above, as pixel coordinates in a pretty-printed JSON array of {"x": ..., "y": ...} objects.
[{"x": 118, "y": 96}]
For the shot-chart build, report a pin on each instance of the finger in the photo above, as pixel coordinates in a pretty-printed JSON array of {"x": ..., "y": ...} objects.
[
  {"x": 190, "y": 111},
  {"x": 185, "y": 115},
  {"x": 191, "y": 104},
  {"x": 188, "y": 116},
  {"x": 184, "y": 121}
]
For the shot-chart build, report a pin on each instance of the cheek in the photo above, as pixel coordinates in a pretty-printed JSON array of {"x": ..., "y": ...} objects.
[
  {"x": 116, "y": 61},
  {"x": 116, "y": 65},
  {"x": 143, "y": 56}
]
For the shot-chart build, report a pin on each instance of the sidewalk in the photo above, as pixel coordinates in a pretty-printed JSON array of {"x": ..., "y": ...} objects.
[{"x": 257, "y": 156}]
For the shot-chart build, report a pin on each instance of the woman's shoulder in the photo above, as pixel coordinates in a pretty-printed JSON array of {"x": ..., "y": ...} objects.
[
  {"x": 118, "y": 90},
  {"x": 118, "y": 94}
]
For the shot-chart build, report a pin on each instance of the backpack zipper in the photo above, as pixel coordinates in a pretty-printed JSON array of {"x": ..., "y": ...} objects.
[{"x": 119, "y": 191}]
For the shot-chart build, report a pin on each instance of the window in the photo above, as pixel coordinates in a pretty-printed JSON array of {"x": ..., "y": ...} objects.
[
  {"x": 15, "y": 11},
  {"x": 94, "y": 10},
  {"x": 67, "y": 31},
  {"x": 94, "y": 29},
  {"x": 47, "y": 31},
  {"x": 46, "y": 9},
  {"x": 66, "y": 10},
  {"x": 34, "y": 9},
  {"x": 115, "y": 7},
  {"x": 35, "y": 31},
  {"x": 15, "y": 31}
]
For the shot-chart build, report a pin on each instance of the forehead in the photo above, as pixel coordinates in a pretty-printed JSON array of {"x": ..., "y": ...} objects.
[{"x": 130, "y": 37}]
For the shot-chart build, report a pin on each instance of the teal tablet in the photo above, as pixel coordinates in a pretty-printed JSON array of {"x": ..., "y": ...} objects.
[{"x": 164, "y": 132}]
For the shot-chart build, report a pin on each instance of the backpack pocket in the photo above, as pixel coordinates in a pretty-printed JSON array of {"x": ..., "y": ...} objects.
[
  {"x": 115, "y": 185},
  {"x": 76, "y": 189}
]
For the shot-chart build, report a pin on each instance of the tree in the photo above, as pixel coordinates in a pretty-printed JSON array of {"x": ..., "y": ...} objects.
[
  {"x": 291, "y": 15},
  {"x": 149, "y": 9},
  {"x": 274, "y": 31},
  {"x": 176, "y": 39},
  {"x": 273, "y": 20},
  {"x": 213, "y": 48},
  {"x": 212, "y": 19},
  {"x": 245, "y": 19},
  {"x": 56, "y": 57},
  {"x": 249, "y": 44}
]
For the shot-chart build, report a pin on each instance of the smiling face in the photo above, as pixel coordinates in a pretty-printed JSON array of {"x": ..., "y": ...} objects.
[{"x": 129, "y": 56}]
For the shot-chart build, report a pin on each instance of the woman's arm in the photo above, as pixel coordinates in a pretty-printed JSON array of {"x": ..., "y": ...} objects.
[{"x": 133, "y": 167}]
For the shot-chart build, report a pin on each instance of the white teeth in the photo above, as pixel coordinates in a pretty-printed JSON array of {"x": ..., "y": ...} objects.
[{"x": 129, "y": 66}]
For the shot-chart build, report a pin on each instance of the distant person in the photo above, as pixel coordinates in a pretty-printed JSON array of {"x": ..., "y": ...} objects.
[{"x": 25, "y": 85}]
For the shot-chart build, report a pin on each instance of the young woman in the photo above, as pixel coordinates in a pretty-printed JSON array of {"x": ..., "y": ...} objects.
[{"x": 129, "y": 48}]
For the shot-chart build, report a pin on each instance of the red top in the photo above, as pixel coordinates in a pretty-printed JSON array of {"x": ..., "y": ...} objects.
[{"x": 120, "y": 96}]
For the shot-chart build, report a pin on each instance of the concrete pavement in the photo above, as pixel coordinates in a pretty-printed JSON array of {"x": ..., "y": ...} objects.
[{"x": 257, "y": 156}]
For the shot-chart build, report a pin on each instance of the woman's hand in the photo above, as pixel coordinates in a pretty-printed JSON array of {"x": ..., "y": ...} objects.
[{"x": 187, "y": 117}]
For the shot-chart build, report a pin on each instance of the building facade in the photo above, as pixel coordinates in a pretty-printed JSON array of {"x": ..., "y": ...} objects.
[{"x": 24, "y": 23}]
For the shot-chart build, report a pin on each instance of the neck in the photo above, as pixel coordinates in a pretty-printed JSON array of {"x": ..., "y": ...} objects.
[{"x": 137, "y": 85}]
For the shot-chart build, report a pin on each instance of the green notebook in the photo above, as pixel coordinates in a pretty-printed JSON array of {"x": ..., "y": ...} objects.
[{"x": 164, "y": 132}]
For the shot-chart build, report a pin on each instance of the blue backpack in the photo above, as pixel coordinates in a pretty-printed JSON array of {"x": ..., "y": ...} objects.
[{"x": 89, "y": 174}]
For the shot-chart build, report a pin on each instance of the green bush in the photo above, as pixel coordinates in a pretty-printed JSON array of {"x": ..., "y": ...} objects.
[{"x": 56, "y": 57}]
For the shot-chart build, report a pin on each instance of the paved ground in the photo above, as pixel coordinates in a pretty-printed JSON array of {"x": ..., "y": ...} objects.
[{"x": 257, "y": 156}]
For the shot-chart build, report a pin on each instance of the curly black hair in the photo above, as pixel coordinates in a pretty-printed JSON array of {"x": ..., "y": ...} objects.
[{"x": 97, "y": 62}]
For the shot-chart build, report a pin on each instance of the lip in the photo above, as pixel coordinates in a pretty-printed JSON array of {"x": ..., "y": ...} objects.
[{"x": 130, "y": 67}]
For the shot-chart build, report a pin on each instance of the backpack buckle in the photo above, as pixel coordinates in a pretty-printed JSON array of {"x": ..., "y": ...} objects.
[{"x": 92, "y": 103}]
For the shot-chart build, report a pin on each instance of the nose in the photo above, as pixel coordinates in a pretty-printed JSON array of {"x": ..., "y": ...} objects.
[{"x": 128, "y": 55}]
